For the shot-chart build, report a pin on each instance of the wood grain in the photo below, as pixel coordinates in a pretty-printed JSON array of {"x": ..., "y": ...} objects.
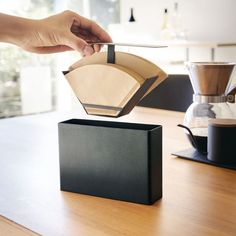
[
  {"x": 198, "y": 199},
  {"x": 9, "y": 228}
]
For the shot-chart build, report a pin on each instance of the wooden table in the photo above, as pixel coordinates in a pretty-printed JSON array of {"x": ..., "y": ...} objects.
[{"x": 198, "y": 199}]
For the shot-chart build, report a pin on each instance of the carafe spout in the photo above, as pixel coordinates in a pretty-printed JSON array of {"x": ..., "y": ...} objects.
[{"x": 193, "y": 139}]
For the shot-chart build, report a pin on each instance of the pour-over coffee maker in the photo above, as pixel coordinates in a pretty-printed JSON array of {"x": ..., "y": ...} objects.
[{"x": 213, "y": 92}]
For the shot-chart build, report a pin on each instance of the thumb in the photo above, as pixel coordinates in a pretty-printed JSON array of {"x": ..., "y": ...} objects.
[{"x": 79, "y": 44}]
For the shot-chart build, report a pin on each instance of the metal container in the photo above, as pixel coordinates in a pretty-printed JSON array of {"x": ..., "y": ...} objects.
[{"x": 115, "y": 160}]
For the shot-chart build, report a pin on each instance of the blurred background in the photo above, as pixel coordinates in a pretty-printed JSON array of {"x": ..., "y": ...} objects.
[{"x": 193, "y": 30}]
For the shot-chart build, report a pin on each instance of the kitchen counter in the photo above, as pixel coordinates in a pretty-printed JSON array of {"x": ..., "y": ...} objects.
[{"x": 198, "y": 199}]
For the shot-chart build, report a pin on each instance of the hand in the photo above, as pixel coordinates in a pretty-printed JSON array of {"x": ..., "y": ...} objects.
[{"x": 57, "y": 33}]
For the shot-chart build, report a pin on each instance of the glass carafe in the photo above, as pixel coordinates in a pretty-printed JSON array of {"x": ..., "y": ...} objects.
[{"x": 210, "y": 81}]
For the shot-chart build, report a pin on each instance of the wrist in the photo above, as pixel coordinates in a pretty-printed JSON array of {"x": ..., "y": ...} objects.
[{"x": 14, "y": 30}]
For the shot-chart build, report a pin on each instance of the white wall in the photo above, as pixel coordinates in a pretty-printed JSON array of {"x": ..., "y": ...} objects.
[{"x": 206, "y": 20}]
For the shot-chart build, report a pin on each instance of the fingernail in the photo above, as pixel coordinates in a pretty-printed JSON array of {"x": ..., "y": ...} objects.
[
  {"x": 88, "y": 50},
  {"x": 96, "y": 47}
]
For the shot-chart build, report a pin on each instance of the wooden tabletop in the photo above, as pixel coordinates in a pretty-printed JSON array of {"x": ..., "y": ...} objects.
[{"x": 198, "y": 199}]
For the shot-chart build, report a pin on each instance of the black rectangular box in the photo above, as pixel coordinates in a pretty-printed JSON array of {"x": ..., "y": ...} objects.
[{"x": 115, "y": 160}]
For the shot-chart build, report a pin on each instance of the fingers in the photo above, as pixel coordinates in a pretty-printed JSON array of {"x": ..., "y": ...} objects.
[
  {"x": 79, "y": 44},
  {"x": 84, "y": 34},
  {"x": 88, "y": 50},
  {"x": 92, "y": 27}
]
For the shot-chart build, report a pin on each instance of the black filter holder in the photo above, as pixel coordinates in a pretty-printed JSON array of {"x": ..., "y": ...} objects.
[{"x": 114, "y": 160}]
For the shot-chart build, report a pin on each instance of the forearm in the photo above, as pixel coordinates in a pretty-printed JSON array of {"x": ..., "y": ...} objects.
[{"x": 13, "y": 29}]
